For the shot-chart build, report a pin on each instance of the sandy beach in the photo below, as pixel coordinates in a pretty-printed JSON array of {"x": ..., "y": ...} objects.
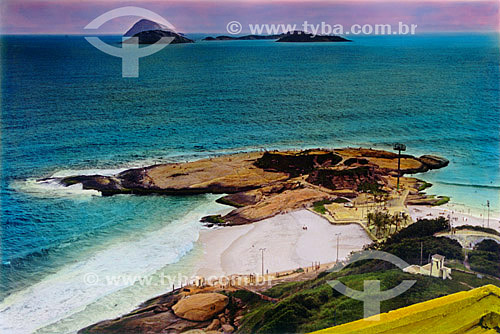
[
  {"x": 458, "y": 217},
  {"x": 236, "y": 250}
]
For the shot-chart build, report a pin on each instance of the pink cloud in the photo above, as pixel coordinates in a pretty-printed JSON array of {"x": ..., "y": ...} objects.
[{"x": 51, "y": 16}]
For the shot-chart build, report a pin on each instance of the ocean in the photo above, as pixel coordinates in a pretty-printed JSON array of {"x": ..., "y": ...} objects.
[{"x": 66, "y": 110}]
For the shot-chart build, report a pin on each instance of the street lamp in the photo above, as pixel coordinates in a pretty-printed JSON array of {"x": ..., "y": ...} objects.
[
  {"x": 399, "y": 147},
  {"x": 262, "y": 252},
  {"x": 488, "y": 205},
  {"x": 338, "y": 235}
]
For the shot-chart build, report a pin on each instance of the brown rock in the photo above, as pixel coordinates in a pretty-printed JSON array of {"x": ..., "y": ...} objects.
[
  {"x": 214, "y": 325},
  {"x": 194, "y": 331},
  {"x": 227, "y": 328},
  {"x": 434, "y": 162},
  {"x": 144, "y": 322},
  {"x": 200, "y": 307}
]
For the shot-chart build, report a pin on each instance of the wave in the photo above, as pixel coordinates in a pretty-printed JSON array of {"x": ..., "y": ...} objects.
[
  {"x": 66, "y": 292},
  {"x": 468, "y": 185},
  {"x": 52, "y": 188}
]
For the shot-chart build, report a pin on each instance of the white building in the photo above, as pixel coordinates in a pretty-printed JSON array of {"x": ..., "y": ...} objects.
[{"x": 435, "y": 268}]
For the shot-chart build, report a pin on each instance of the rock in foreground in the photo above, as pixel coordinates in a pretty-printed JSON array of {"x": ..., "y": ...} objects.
[{"x": 200, "y": 307}]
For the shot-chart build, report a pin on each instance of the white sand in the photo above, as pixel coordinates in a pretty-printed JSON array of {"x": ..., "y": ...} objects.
[
  {"x": 458, "y": 218},
  {"x": 235, "y": 250}
]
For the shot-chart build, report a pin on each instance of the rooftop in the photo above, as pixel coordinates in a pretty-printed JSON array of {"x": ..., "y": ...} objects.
[{"x": 473, "y": 311}]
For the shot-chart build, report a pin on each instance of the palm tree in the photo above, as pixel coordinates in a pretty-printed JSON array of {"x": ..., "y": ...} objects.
[
  {"x": 369, "y": 217},
  {"x": 405, "y": 218},
  {"x": 379, "y": 222}
]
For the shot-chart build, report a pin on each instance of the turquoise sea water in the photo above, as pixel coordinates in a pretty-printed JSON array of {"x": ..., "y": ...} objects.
[{"x": 67, "y": 110}]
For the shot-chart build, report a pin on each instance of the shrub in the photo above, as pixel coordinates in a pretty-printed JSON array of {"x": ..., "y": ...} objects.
[
  {"x": 488, "y": 245},
  {"x": 319, "y": 206},
  {"x": 422, "y": 228}
]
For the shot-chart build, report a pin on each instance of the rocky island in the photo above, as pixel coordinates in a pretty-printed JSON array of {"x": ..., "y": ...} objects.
[
  {"x": 154, "y": 36},
  {"x": 303, "y": 37},
  {"x": 150, "y": 32},
  {"x": 242, "y": 38},
  {"x": 263, "y": 184},
  {"x": 295, "y": 36}
]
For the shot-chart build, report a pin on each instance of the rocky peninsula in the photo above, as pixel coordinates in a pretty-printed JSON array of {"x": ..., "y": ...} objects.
[{"x": 261, "y": 185}]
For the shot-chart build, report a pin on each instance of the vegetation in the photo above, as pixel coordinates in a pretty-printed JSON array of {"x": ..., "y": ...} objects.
[
  {"x": 383, "y": 222},
  {"x": 369, "y": 187},
  {"x": 298, "y": 163},
  {"x": 422, "y": 228},
  {"x": 485, "y": 258},
  {"x": 313, "y": 305},
  {"x": 477, "y": 228},
  {"x": 224, "y": 200},
  {"x": 319, "y": 206},
  {"x": 441, "y": 200},
  {"x": 214, "y": 219},
  {"x": 340, "y": 200},
  {"x": 424, "y": 186}
]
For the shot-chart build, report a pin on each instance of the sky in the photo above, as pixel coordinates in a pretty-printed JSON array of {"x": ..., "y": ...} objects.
[{"x": 208, "y": 16}]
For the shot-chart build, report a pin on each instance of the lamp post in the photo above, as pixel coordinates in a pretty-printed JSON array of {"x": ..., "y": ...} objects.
[
  {"x": 399, "y": 147},
  {"x": 488, "y": 205},
  {"x": 338, "y": 235},
  {"x": 262, "y": 253}
]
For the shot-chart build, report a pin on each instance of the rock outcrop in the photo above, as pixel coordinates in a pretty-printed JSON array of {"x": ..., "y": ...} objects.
[
  {"x": 200, "y": 307},
  {"x": 208, "y": 310},
  {"x": 434, "y": 162},
  {"x": 263, "y": 184}
]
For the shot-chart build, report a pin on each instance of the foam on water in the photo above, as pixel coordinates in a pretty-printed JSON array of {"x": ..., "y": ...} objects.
[
  {"x": 50, "y": 188},
  {"x": 69, "y": 291}
]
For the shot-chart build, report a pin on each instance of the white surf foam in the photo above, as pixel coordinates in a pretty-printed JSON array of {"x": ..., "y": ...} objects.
[
  {"x": 51, "y": 188},
  {"x": 68, "y": 291}
]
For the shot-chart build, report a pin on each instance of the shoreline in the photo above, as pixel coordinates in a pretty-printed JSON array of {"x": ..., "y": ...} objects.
[{"x": 458, "y": 217}]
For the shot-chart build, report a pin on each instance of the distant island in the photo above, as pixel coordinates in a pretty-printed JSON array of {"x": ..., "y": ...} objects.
[
  {"x": 145, "y": 25},
  {"x": 303, "y": 37},
  {"x": 150, "y": 32},
  {"x": 295, "y": 36},
  {"x": 154, "y": 36},
  {"x": 241, "y": 38}
]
